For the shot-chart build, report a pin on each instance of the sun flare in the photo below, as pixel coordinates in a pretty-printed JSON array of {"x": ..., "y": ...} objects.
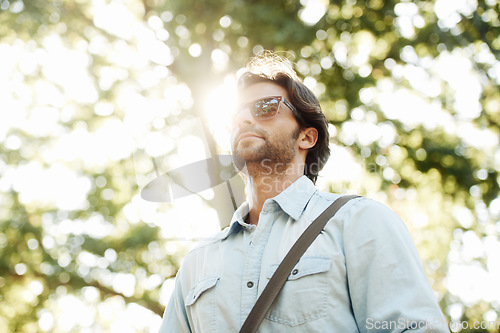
[{"x": 218, "y": 107}]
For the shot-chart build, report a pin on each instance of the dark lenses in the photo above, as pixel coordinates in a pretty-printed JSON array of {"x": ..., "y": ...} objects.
[{"x": 265, "y": 108}]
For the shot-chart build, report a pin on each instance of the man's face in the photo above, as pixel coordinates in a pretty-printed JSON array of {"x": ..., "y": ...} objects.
[{"x": 271, "y": 140}]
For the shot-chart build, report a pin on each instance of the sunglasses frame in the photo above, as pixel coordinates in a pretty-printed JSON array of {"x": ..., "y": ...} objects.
[{"x": 280, "y": 99}]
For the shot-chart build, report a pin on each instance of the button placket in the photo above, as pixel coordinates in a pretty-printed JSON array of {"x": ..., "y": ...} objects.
[{"x": 253, "y": 261}]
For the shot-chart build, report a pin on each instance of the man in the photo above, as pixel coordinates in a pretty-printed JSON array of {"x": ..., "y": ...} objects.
[{"x": 362, "y": 273}]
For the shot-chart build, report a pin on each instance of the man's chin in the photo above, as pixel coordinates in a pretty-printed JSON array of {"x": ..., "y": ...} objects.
[
  {"x": 250, "y": 157},
  {"x": 250, "y": 154}
]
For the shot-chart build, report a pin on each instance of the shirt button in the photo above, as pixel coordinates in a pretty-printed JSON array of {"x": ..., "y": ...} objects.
[
  {"x": 295, "y": 271},
  {"x": 250, "y": 284}
]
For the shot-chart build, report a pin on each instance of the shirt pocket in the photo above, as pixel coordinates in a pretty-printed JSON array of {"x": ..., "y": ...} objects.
[
  {"x": 200, "y": 304},
  {"x": 304, "y": 295},
  {"x": 199, "y": 288}
]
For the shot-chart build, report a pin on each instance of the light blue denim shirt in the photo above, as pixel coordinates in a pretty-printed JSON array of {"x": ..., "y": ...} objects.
[{"x": 362, "y": 273}]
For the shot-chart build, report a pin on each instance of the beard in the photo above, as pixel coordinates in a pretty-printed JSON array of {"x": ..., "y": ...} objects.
[{"x": 269, "y": 153}]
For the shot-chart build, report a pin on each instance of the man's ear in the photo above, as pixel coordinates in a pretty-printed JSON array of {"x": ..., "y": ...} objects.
[{"x": 308, "y": 138}]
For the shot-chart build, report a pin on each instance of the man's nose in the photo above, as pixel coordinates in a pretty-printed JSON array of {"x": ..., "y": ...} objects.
[{"x": 243, "y": 118}]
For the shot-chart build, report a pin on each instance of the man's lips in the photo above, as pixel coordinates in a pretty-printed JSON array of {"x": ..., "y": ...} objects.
[{"x": 247, "y": 136}]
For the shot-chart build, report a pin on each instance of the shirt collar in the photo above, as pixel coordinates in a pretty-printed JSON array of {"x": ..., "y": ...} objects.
[
  {"x": 293, "y": 200},
  {"x": 238, "y": 221}
]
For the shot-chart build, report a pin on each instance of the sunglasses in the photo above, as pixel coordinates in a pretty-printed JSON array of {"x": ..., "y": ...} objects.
[{"x": 268, "y": 107}]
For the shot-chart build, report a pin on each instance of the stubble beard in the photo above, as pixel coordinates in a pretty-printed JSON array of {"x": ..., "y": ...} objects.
[{"x": 271, "y": 157}]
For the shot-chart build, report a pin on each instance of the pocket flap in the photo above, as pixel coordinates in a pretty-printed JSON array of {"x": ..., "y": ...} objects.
[
  {"x": 305, "y": 266},
  {"x": 199, "y": 289}
]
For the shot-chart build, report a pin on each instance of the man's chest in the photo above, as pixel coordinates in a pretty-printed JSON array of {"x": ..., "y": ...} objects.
[{"x": 241, "y": 266}]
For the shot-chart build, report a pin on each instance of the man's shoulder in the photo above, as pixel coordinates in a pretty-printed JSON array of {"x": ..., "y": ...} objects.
[
  {"x": 372, "y": 216},
  {"x": 321, "y": 200},
  {"x": 206, "y": 243},
  {"x": 330, "y": 197}
]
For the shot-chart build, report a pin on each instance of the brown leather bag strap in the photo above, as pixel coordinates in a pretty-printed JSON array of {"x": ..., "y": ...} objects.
[{"x": 279, "y": 277}]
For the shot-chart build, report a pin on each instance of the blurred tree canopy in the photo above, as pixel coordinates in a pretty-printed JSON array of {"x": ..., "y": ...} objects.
[{"x": 410, "y": 89}]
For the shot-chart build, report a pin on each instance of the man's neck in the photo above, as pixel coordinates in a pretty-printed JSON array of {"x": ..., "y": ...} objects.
[{"x": 263, "y": 186}]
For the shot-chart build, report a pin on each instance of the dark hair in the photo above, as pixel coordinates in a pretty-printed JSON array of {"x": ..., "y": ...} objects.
[{"x": 273, "y": 68}]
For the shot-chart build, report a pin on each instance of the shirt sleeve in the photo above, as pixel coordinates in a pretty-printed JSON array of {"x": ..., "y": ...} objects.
[
  {"x": 387, "y": 284},
  {"x": 175, "y": 318}
]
